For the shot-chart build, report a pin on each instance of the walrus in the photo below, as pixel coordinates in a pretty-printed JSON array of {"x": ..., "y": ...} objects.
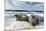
[{"x": 31, "y": 19}]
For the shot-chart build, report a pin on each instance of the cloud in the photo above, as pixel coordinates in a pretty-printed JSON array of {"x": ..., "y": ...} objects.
[
  {"x": 30, "y": 6},
  {"x": 24, "y": 5}
]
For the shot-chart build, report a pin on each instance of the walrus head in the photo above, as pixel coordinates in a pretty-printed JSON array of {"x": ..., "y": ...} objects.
[{"x": 33, "y": 20}]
